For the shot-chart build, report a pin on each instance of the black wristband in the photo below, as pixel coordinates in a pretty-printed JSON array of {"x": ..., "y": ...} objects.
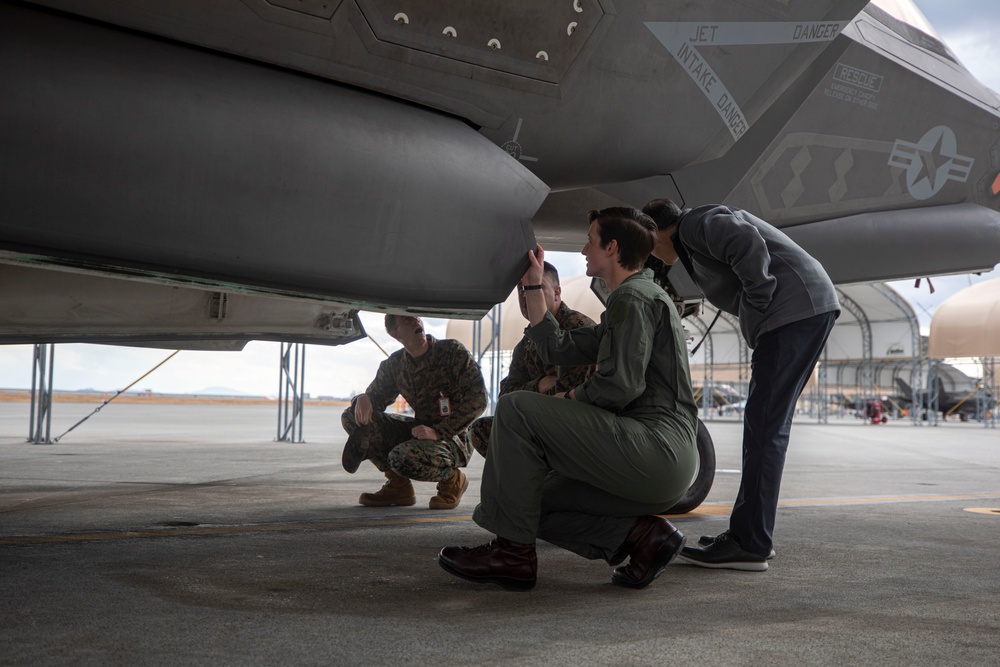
[{"x": 530, "y": 287}]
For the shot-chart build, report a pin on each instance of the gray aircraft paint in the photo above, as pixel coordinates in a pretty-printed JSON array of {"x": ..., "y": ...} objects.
[
  {"x": 436, "y": 203},
  {"x": 513, "y": 148},
  {"x": 683, "y": 39}
]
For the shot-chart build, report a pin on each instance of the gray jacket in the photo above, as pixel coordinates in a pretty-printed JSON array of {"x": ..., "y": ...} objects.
[{"x": 750, "y": 269}]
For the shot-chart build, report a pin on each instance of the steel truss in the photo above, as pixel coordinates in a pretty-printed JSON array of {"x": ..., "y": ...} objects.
[
  {"x": 40, "y": 422},
  {"x": 291, "y": 392}
]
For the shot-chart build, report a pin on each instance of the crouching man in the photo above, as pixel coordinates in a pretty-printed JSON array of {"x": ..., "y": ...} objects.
[{"x": 443, "y": 384}]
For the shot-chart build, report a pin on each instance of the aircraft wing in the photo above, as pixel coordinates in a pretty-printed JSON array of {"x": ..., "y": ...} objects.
[{"x": 405, "y": 155}]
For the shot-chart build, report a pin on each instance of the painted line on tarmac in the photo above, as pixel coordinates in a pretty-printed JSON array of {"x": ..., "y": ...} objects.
[
  {"x": 724, "y": 509},
  {"x": 991, "y": 511},
  {"x": 704, "y": 511}
]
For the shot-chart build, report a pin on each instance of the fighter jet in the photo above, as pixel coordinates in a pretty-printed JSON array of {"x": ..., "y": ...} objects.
[
  {"x": 235, "y": 169},
  {"x": 965, "y": 405},
  {"x": 723, "y": 396}
]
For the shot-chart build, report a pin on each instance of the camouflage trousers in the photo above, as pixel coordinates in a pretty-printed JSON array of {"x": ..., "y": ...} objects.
[
  {"x": 479, "y": 434},
  {"x": 391, "y": 446}
]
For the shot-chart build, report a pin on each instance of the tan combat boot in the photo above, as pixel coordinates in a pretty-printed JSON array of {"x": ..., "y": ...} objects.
[
  {"x": 397, "y": 491},
  {"x": 450, "y": 492}
]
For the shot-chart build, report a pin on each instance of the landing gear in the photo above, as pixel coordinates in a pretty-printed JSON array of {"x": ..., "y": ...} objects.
[{"x": 703, "y": 480}]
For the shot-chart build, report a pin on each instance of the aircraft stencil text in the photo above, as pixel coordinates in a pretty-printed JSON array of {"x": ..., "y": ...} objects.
[
  {"x": 696, "y": 67},
  {"x": 683, "y": 40},
  {"x": 704, "y": 33},
  {"x": 858, "y": 77},
  {"x": 815, "y": 32}
]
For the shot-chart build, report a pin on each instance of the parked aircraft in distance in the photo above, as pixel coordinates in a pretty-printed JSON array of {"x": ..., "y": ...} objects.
[
  {"x": 721, "y": 396},
  {"x": 965, "y": 405},
  {"x": 197, "y": 173}
]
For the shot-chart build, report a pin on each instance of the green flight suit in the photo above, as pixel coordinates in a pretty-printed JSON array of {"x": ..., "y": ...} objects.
[
  {"x": 527, "y": 369},
  {"x": 578, "y": 473}
]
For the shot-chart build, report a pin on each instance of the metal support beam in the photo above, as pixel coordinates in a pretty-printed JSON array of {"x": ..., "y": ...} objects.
[
  {"x": 987, "y": 395},
  {"x": 916, "y": 372},
  {"x": 822, "y": 395},
  {"x": 40, "y": 424},
  {"x": 933, "y": 395},
  {"x": 744, "y": 352},
  {"x": 291, "y": 382},
  {"x": 708, "y": 382},
  {"x": 486, "y": 348},
  {"x": 866, "y": 381}
]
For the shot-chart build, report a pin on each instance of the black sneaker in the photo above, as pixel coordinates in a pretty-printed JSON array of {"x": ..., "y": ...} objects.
[
  {"x": 723, "y": 553},
  {"x": 708, "y": 540},
  {"x": 355, "y": 451}
]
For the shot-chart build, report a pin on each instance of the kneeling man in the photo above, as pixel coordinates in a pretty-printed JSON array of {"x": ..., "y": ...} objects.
[{"x": 444, "y": 386}]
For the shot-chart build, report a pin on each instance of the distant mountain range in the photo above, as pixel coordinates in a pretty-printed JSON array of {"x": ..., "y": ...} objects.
[
  {"x": 221, "y": 391},
  {"x": 207, "y": 391}
]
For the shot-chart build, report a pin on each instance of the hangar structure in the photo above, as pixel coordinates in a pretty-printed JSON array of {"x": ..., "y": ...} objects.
[
  {"x": 967, "y": 324},
  {"x": 875, "y": 344},
  {"x": 876, "y": 339}
]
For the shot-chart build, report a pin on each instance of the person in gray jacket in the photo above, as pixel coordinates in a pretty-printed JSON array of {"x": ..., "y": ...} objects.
[{"x": 786, "y": 306}]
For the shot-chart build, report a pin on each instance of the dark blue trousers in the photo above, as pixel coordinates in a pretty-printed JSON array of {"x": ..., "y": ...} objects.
[{"x": 780, "y": 367}]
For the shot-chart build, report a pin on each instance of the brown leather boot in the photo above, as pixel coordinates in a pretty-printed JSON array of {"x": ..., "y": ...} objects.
[
  {"x": 450, "y": 492},
  {"x": 502, "y": 562},
  {"x": 652, "y": 543},
  {"x": 397, "y": 491}
]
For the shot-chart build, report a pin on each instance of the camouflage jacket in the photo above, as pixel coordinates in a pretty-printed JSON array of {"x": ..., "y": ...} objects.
[
  {"x": 527, "y": 368},
  {"x": 445, "y": 371}
]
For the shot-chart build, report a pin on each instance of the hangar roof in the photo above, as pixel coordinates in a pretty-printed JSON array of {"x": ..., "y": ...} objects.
[
  {"x": 967, "y": 324},
  {"x": 874, "y": 318},
  {"x": 873, "y": 308}
]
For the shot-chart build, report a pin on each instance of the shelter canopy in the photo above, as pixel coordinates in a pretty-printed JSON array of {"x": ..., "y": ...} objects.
[
  {"x": 967, "y": 324},
  {"x": 876, "y": 323}
]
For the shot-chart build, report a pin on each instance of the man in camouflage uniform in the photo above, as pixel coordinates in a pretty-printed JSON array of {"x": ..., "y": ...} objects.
[
  {"x": 527, "y": 370},
  {"x": 444, "y": 386}
]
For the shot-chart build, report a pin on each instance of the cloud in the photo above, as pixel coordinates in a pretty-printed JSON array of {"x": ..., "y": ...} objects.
[
  {"x": 968, "y": 28},
  {"x": 949, "y": 16},
  {"x": 977, "y": 48},
  {"x": 924, "y": 302}
]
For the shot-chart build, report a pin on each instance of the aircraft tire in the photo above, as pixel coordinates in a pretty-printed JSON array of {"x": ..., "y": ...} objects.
[{"x": 702, "y": 483}]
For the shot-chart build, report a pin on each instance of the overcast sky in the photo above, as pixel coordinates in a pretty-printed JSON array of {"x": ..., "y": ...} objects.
[{"x": 969, "y": 27}]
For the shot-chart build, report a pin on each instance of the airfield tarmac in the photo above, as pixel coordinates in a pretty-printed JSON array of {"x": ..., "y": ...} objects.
[{"x": 183, "y": 534}]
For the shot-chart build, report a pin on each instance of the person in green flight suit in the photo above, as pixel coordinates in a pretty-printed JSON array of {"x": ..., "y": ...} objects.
[{"x": 588, "y": 470}]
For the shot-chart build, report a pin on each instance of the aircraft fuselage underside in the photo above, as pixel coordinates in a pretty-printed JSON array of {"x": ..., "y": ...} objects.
[{"x": 405, "y": 155}]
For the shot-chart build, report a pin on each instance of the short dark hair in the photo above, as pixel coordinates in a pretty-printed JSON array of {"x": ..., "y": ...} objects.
[
  {"x": 392, "y": 321},
  {"x": 550, "y": 271},
  {"x": 664, "y": 213},
  {"x": 634, "y": 230}
]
